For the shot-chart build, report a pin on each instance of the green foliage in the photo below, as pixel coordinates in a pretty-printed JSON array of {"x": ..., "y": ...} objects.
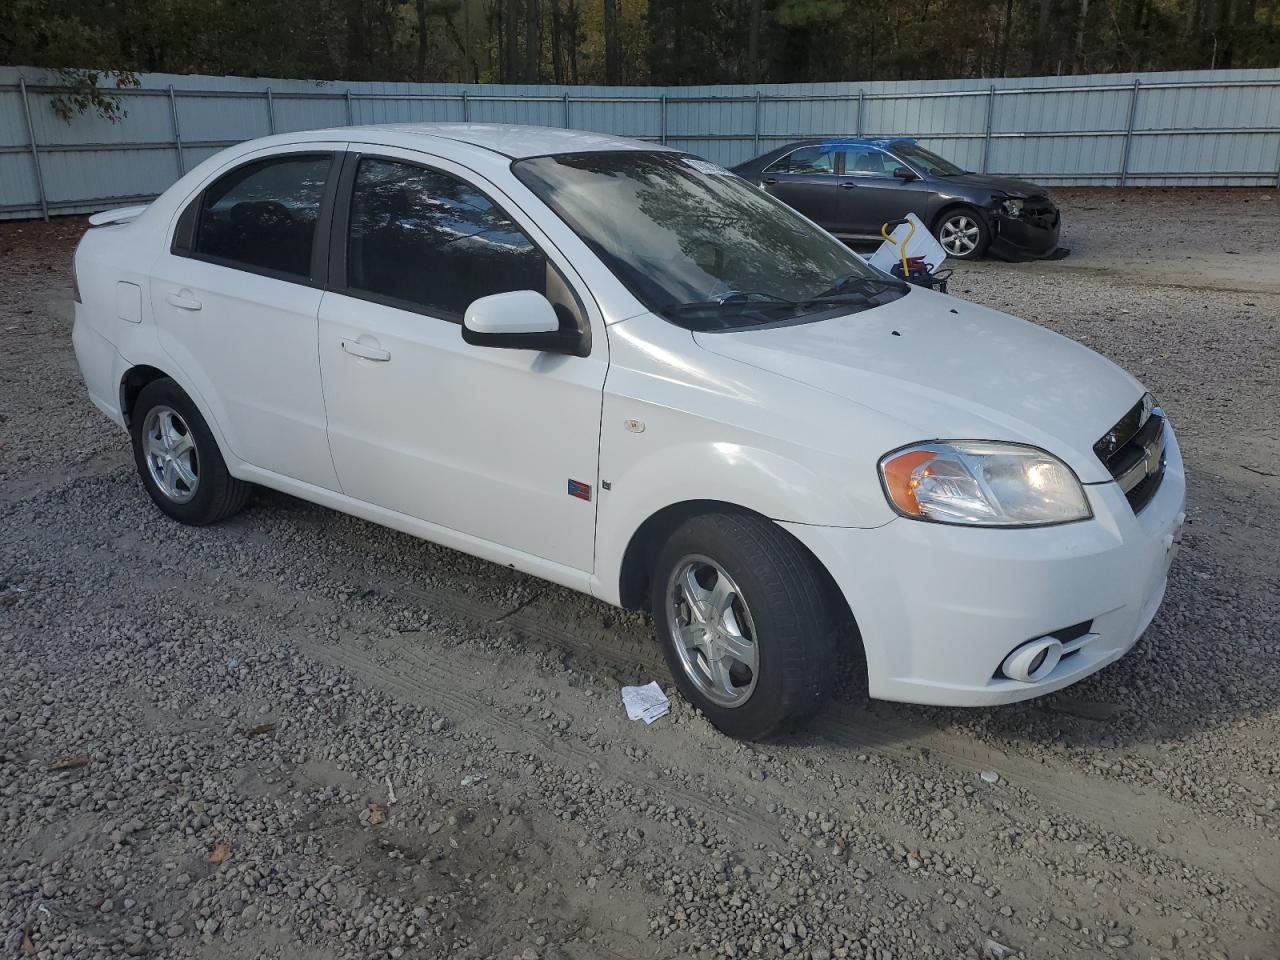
[{"x": 100, "y": 45}]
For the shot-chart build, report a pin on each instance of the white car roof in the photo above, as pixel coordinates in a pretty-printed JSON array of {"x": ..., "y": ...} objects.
[{"x": 508, "y": 139}]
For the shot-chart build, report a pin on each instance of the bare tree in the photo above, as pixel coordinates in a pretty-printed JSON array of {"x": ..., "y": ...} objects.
[
  {"x": 1077, "y": 61},
  {"x": 612, "y": 45},
  {"x": 532, "y": 41}
]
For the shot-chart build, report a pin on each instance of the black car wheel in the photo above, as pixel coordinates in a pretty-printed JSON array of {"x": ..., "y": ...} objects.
[
  {"x": 963, "y": 233},
  {"x": 747, "y": 625},
  {"x": 178, "y": 459}
]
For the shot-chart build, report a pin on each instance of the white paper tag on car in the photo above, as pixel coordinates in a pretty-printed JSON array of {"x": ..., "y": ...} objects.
[{"x": 922, "y": 244}]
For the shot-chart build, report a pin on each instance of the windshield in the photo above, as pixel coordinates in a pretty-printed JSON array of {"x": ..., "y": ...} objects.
[
  {"x": 700, "y": 246},
  {"x": 932, "y": 164}
]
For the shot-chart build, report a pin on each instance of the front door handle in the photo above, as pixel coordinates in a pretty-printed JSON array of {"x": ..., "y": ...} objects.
[
  {"x": 183, "y": 301},
  {"x": 365, "y": 350},
  {"x": 847, "y": 185},
  {"x": 770, "y": 179}
]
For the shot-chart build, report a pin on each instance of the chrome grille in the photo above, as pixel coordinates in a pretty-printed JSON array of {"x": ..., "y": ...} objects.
[{"x": 1133, "y": 452}]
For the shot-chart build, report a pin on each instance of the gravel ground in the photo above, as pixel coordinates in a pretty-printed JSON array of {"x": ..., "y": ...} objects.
[{"x": 300, "y": 735}]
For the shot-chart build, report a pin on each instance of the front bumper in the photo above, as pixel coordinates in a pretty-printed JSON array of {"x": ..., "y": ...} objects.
[
  {"x": 1033, "y": 236},
  {"x": 940, "y": 607}
]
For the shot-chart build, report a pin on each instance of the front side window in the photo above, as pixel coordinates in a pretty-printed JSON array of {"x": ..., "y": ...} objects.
[
  {"x": 262, "y": 216},
  {"x": 927, "y": 160},
  {"x": 703, "y": 248},
  {"x": 433, "y": 241},
  {"x": 806, "y": 160}
]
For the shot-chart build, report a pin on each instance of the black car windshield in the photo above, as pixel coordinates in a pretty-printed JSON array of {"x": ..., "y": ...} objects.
[
  {"x": 699, "y": 245},
  {"x": 931, "y": 163}
]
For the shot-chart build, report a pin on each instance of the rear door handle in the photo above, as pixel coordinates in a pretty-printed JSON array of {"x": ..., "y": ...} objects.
[
  {"x": 365, "y": 350},
  {"x": 770, "y": 179},
  {"x": 182, "y": 302},
  {"x": 847, "y": 185}
]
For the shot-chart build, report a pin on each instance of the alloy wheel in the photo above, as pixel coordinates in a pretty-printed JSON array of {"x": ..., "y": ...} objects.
[
  {"x": 959, "y": 235},
  {"x": 712, "y": 631},
  {"x": 171, "y": 455}
]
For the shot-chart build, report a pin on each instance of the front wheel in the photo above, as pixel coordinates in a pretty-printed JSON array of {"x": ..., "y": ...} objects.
[
  {"x": 747, "y": 623},
  {"x": 964, "y": 234}
]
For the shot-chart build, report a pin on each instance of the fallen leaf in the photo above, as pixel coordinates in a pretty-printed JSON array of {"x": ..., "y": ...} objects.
[
  {"x": 28, "y": 947},
  {"x": 377, "y": 814},
  {"x": 70, "y": 763},
  {"x": 220, "y": 853},
  {"x": 260, "y": 729}
]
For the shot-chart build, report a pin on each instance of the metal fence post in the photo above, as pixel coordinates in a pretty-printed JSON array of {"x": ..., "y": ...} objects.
[
  {"x": 662, "y": 118},
  {"x": 566, "y": 110},
  {"x": 351, "y": 113},
  {"x": 1128, "y": 131},
  {"x": 858, "y": 125},
  {"x": 986, "y": 139},
  {"x": 756, "y": 138},
  {"x": 177, "y": 132},
  {"x": 271, "y": 112},
  {"x": 466, "y": 108},
  {"x": 35, "y": 150}
]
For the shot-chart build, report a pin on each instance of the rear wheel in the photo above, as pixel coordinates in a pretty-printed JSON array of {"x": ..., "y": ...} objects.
[
  {"x": 963, "y": 233},
  {"x": 747, "y": 624},
  {"x": 178, "y": 459}
]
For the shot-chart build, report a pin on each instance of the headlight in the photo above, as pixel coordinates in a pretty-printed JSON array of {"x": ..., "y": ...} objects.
[
  {"x": 1012, "y": 206},
  {"x": 982, "y": 483}
]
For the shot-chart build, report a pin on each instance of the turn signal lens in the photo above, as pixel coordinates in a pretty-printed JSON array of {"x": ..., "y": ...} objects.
[{"x": 982, "y": 483}]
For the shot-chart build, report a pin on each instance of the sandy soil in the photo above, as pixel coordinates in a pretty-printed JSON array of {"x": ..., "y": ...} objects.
[{"x": 254, "y": 693}]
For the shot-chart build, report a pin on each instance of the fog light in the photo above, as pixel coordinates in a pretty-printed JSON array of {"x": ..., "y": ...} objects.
[{"x": 1033, "y": 661}]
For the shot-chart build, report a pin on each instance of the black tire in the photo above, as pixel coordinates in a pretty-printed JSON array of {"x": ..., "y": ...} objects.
[
  {"x": 971, "y": 216},
  {"x": 792, "y": 613},
  {"x": 216, "y": 494}
]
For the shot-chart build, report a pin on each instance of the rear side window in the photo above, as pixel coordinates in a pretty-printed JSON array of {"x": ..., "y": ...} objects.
[
  {"x": 806, "y": 160},
  {"x": 263, "y": 216},
  {"x": 433, "y": 241}
]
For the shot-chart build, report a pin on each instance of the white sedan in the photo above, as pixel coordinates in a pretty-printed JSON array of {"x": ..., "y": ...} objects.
[{"x": 623, "y": 369}]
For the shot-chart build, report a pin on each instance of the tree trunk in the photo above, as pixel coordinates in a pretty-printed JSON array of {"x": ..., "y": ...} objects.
[
  {"x": 1002, "y": 68},
  {"x": 573, "y": 26},
  {"x": 511, "y": 41},
  {"x": 557, "y": 42},
  {"x": 420, "y": 68},
  {"x": 533, "y": 41},
  {"x": 612, "y": 48},
  {"x": 1077, "y": 64},
  {"x": 1042, "y": 31},
  {"x": 753, "y": 43}
]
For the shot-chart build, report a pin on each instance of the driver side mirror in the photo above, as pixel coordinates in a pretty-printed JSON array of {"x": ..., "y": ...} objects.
[
  {"x": 905, "y": 174},
  {"x": 521, "y": 320}
]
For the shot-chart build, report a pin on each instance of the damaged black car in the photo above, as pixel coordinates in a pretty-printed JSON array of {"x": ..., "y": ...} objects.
[{"x": 853, "y": 186}]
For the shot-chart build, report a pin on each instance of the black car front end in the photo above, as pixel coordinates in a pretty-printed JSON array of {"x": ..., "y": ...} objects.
[{"x": 1024, "y": 228}]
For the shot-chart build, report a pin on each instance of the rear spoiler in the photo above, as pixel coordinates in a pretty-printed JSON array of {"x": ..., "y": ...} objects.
[{"x": 118, "y": 215}]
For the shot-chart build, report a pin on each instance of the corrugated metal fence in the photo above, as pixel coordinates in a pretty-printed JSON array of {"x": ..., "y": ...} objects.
[{"x": 1194, "y": 128}]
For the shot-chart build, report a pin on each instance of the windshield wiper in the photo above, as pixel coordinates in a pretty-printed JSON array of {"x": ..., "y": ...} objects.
[
  {"x": 734, "y": 298},
  {"x": 839, "y": 290}
]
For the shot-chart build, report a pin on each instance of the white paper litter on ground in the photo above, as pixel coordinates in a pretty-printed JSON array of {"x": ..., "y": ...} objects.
[{"x": 646, "y": 703}]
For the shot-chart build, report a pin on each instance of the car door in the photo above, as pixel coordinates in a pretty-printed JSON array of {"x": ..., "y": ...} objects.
[
  {"x": 497, "y": 444},
  {"x": 236, "y": 297},
  {"x": 871, "y": 196},
  {"x": 806, "y": 180}
]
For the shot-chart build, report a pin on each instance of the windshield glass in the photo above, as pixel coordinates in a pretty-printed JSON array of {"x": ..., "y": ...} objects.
[
  {"x": 700, "y": 246},
  {"x": 927, "y": 160}
]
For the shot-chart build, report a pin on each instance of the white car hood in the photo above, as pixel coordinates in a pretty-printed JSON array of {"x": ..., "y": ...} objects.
[{"x": 953, "y": 371}]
